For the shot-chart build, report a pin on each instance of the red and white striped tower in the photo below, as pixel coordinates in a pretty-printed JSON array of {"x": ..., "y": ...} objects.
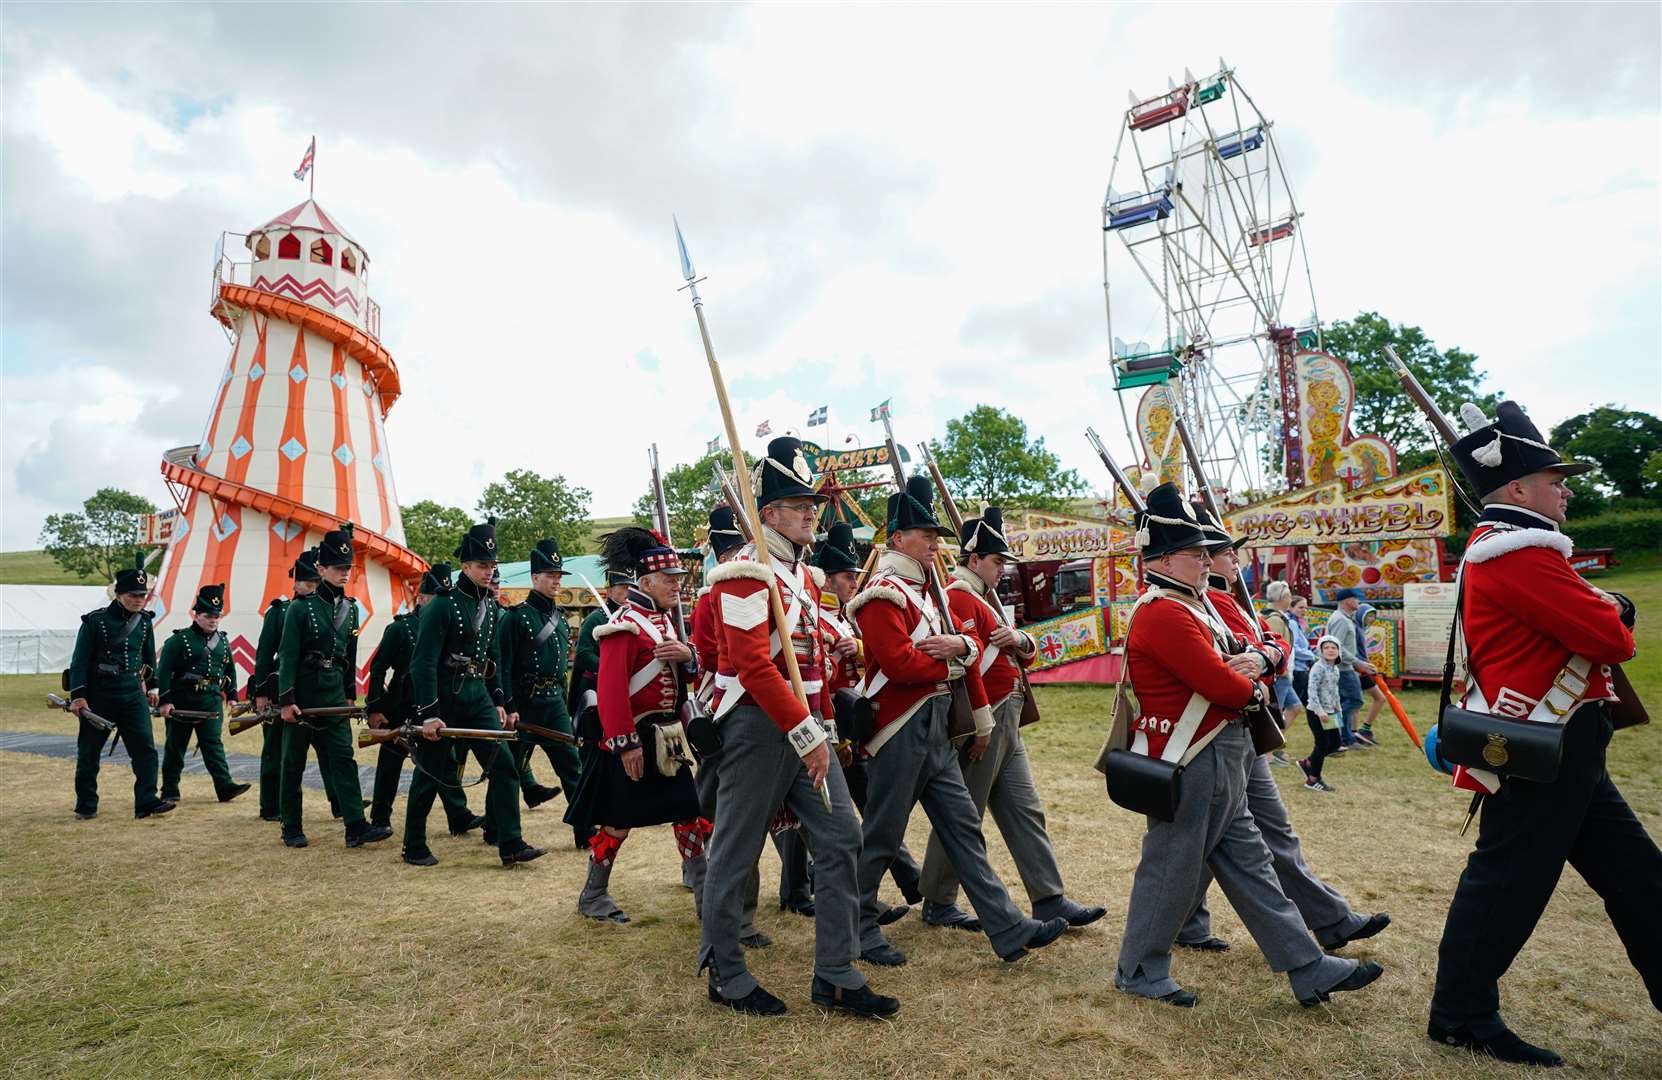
[{"x": 295, "y": 442}]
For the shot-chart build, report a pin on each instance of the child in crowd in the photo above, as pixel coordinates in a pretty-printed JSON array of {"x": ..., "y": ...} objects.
[{"x": 1323, "y": 711}]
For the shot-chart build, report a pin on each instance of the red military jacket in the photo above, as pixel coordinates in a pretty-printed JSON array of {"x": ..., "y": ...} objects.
[
  {"x": 894, "y": 612},
  {"x": 966, "y": 596},
  {"x": 1526, "y": 612},
  {"x": 840, "y": 674},
  {"x": 1250, "y": 627},
  {"x": 631, "y": 683},
  {"x": 1172, "y": 653},
  {"x": 703, "y": 631},
  {"x": 750, "y": 660}
]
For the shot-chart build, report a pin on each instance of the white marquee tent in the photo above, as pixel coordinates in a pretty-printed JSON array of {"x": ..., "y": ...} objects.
[{"x": 38, "y": 625}]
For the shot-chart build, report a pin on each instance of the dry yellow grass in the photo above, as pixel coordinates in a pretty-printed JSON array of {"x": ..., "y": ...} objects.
[{"x": 196, "y": 945}]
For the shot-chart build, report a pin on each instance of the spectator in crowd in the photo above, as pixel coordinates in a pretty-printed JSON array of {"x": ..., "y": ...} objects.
[
  {"x": 1352, "y": 664},
  {"x": 1376, "y": 693},
  {"x": 1303, "y": 655},
  {"x": 1324, "y": 711}
]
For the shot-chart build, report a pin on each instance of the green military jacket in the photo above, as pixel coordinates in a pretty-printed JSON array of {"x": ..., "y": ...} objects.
[
  {"x": 317, "y": 662},
  {"x": 264, "y": 681},
  {"x": 195, "y": 670},
  {"x": 393, "y": 656},
  {"x": 108, "y": 655},
  {"x": 532, "y": 640},
  {"x": 455, "y": 644},
  {"x": 585, "y": 663}
]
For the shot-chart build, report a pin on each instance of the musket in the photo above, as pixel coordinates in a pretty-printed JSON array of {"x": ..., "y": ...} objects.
[
  {"x": 1029, "y": 707},
  {"x": 187, "y": 716},
  {"x": 1133, "y": 498},
  {"x": 272, "y": 714},
  {"x": 1265, "y": 722},
  {"x": 746, "y": 507},
  {"x": 960, "y": 724},
  {"x": 240, "y": 708},
  {"x": 661, "y": 511},
  {"x": 553, "y": 734},
  {"x": 53, "y": 701},
  {"x": 407, "y": 733},
  {"x": 732, "y": 498}
]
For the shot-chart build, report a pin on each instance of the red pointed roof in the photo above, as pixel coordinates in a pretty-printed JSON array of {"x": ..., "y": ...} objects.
[{"x": 309, "y": 216}]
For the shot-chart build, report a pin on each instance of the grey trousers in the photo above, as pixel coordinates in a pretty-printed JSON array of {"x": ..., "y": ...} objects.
[
  {"x": 759, "y": 770},
  {"x": 919, "y": 765},
  {"x": 1324, "y": 910},
  {"x": 1003, "y": 783},
  {"x": 707, "y": 781},
  {"x": 1213, "y": 828}
]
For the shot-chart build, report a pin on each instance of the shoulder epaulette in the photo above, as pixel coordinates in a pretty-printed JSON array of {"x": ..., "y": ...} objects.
[{"x": 91, "y": 615}]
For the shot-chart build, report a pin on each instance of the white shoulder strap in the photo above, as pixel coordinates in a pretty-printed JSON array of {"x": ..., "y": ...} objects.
[{"x": 875, "y": 681}]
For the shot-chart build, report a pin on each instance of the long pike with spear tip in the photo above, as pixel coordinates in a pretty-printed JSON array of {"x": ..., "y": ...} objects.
[{"x": 747, "y": 498}]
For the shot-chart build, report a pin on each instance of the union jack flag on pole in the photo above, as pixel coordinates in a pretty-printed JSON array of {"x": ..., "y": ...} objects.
[
  {"x": 764, "y": 428},
  {"x": 306, "y": 161}
]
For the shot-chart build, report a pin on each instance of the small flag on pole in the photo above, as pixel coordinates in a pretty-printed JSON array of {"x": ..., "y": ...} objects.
[
  {"x": 878, "y": 412},
  {"x": 713, "y": 446},
  {"x": 764, "y": 428},
  {"x": 306, "y": 161},
  {"x": 817, "y": 417}
]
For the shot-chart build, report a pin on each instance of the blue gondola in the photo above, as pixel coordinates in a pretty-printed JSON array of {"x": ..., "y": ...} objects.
[
  {"x": 1239, "y": 143},
  {"x": 1129, "y": 210}
]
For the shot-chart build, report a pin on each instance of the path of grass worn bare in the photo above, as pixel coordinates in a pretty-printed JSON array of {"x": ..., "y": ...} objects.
[{"x": 196, "y": 945}]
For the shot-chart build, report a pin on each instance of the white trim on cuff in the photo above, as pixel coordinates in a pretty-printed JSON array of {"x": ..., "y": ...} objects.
[{"x": 806, "y": 736}]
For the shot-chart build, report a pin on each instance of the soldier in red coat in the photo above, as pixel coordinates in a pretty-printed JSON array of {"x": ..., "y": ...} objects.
[
  {"x": 997, "y": 773},
  {"x": 776, "y": 748},
  {"x": 913, "y": 651},
  {"x": 1539, "y": 642},
  {"x": 634, "y": 775},
  {"x": 725, "y": 542},
  {"x": 1192, "y": 699},
  {"x": 1323, "y": 908}
]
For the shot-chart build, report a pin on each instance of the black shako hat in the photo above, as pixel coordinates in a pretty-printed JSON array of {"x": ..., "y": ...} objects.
[
  {"x": 724, "y": 531},
  {"x": 133, "y": 579},
  {"x": 619, "y": 577},
  {"x": 1507, "y": 448},
  {"x": 478, "y": 543},
  {"x": 336, "y": 549},
  {"x": 210, "y": 600},
  {"x": 545, "y": 557},
  {"x": 784, "y": 474},
  {"x": 836, "y": 552},
  {"x": 985, "y": 535},
  {"x": 1168, "y": 524},
  {"x": 436, "y": 579},
  {"x": 914, "y": 508},
  {"x": 638, "y": 552},
  {"x": 305, "y": 566},
  {"x": 1217, "y": 537}
]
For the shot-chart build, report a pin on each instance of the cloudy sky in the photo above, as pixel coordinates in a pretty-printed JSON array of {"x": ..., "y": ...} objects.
[{"x": 889, "y": 202}]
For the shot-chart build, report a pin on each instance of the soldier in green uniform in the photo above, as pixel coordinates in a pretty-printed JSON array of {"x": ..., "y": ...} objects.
[
  {"x": 389, "y": 705},
  {"x": 109, "y": 674},
  {"x": 532, "y": 640},
  {"x": 196, "y": 674},
  {"x": 262, "y": 688},
  {"x": 456, "y": 680},
  {"x": 585, "y": 662},
  {"x": 317, "y": 667}
]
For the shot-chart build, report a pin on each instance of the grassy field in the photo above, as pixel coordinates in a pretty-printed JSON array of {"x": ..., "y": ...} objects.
[
  {"x": 37, "y": 568},
  {"x": 196, "y": 945}
]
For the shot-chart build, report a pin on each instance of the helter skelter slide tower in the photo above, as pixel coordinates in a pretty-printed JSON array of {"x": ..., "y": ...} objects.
[
  {"x": 1199, "y": 200},
  {"x": 295, "y": 442}
]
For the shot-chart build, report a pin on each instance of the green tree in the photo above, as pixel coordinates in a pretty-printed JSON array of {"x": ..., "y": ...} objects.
[
  {"x": 529, "y": 507},
  {"x": 99, "y": 540},
  {"x": 1619, "y": 441},
  {"x": 431, "y": 529},
  {"x": 690, "y": 492},
  {"x": 1451, "y": 376},
  {"x": 987, "y": 458},
  {"x": 1653, "y": 473}
]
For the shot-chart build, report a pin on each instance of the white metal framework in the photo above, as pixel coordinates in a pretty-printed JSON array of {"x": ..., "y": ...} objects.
[{"x": 1200, "y": 204}]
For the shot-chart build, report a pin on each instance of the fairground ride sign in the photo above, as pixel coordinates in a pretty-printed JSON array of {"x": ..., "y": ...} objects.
[
  {"x": 821, "y": 460},
  {"x": 1419, "y": 505},
  {"x": 1044, "y": 537}
]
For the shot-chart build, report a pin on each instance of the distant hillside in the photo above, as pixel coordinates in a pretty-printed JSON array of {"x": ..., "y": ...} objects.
[{"x": 37, "y": 568}]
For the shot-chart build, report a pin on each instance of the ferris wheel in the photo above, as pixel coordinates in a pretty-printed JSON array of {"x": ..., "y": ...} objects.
[{"x": 1200, "y": 211}]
